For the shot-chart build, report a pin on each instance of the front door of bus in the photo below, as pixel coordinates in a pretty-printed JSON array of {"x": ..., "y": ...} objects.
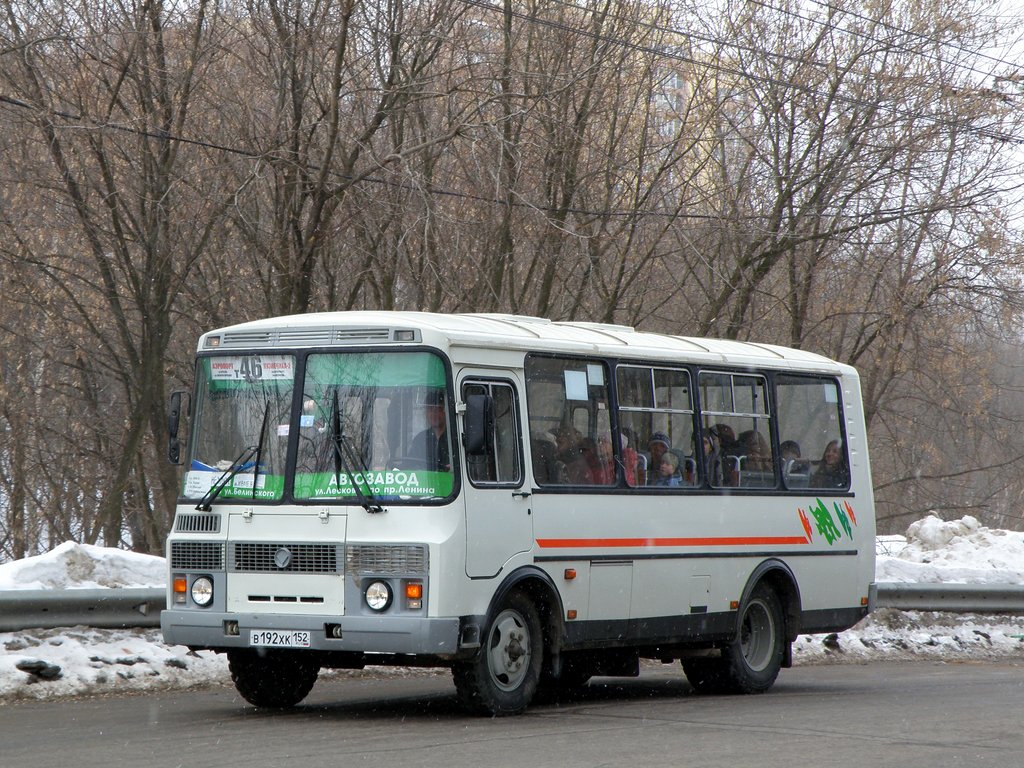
[{"x": 498, "y": 518}]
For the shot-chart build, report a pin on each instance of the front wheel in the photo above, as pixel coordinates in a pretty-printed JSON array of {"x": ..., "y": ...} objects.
[
  {"x": 751, "y": 662},
  {"x": 275, "y": 679},
  {"x": 502, "y": 678}
]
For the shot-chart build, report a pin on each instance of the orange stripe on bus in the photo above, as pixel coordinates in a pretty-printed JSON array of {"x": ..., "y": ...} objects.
[{"x": 728, "y": 541}]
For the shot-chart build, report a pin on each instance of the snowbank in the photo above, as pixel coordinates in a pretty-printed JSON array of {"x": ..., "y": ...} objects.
[
  {"x": 84, "y": 566},
  {"x": 959, "y": 551}
]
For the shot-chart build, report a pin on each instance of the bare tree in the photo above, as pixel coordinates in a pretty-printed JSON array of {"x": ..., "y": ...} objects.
[{"x": 107, "y": 92}]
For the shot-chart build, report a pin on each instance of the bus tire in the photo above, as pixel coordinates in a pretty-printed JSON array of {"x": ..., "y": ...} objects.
[
  {"x": 502, "y": 678},
  {"x": 275, "y": 679},
  {"x": 751, "y": 662}
]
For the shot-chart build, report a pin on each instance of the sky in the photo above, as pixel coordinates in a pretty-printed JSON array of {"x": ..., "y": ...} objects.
[{"x": 93, "y": 661}]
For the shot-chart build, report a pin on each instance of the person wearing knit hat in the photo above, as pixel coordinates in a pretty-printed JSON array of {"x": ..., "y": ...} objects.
[
  {"x": 667, "y": 473},
  {"x": 658, "y": 445}
]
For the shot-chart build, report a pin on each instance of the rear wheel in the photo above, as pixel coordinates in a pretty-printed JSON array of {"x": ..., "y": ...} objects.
[
  {"x": 751, "y": 662},
  {"x": 274, "y": 678},
  {"x": 502, "y": 678}
]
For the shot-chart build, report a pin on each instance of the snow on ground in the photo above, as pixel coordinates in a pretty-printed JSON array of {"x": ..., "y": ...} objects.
[{"x": 38, "y": 664}]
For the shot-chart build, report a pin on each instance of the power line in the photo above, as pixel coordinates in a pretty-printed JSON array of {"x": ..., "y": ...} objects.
[
  {"x": 987, "y": 132},
  {"x": 691, "y": 34},
  {"x": 658, "y": 51},
  {"x": 404, "y": 186},
  {"x": 911, "y": 33}
]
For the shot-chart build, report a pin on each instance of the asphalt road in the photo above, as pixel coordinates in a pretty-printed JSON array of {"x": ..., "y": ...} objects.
[{"x": 909, "y": 715}]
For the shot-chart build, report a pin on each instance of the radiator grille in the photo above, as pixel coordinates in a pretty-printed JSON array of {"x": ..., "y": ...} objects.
[
  {"x": 197, "y": 555},
  {"x": 188, "y": 522},
  {"x": 387, "y": 559},
  {"x": 267, "y": 557}
]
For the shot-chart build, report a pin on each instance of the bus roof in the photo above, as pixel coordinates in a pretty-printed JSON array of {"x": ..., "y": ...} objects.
[{"x": 502, "y": 331}]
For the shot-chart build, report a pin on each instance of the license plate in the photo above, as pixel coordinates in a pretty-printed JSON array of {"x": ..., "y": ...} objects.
[{"x": 280, "y": 638}]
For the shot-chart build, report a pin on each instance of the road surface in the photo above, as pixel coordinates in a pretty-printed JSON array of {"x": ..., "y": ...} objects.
[{"x": 911, "y": 715}]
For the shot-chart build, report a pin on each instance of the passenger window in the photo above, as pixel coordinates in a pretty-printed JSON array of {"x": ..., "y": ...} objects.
[
  {"x": 656, "y": 441},
  {"x": 812, "y": 448},
  {"x": 736, "y": 430},
  {"x": 570, "y": 440},
  {"x": 500, "y": 463}
]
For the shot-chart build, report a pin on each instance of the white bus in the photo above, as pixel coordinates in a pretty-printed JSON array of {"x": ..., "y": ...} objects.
[{"x": 530, "y": 503}]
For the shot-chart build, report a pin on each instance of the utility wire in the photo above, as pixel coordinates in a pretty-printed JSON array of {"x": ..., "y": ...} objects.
[
  {"x": 910, "y": 33},
  {"x": 691, "y": 34},
  {"x": 967, "y": 126},
  {"x": 404, "y": 186},
  {"x": 482, "y": 4}
]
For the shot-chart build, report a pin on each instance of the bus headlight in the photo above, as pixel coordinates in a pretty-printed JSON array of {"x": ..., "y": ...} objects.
[
  {"x": 378, "y": 595},
  {"x": 202, "y": 591}
]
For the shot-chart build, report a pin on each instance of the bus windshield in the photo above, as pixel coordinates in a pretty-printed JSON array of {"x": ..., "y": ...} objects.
[
  {"x": 242, "y": 408},
  {"x": 376, "y": 425}
]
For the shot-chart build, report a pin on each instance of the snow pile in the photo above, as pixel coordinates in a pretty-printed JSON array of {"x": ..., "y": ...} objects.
[
  {"x": 958, "y": 551},
  {"x": 77, "y": 661},
  {"x": 83, "y": 566}
]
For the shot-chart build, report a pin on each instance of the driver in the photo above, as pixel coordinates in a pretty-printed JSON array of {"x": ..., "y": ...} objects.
[{"x": 432, "y": 442}]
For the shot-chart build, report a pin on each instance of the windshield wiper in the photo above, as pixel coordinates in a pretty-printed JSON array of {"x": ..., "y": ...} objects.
[
  {"x": 259, "y": 448},
  {"x": 237, "y": 466},
  {"x": 345, "y": 457}
]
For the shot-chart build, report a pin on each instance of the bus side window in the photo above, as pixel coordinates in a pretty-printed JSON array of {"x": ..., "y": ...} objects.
[{"x": 812, "y": 445}]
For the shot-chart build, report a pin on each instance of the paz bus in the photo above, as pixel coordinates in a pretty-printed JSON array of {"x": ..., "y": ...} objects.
[{"x": 526, "y": 502}]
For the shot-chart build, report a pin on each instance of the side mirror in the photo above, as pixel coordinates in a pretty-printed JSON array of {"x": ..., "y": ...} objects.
[
  {"x": 479, "y": 424},
  {"x": 173, "y": 424}
]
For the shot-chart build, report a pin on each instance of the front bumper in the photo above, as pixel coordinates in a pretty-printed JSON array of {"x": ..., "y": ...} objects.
[{"x": 437, "y": 637}]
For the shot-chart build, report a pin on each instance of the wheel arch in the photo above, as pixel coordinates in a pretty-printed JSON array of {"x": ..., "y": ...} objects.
[
  {"x": 538, "y": 585},
  {"x": 780, "y": 578}
]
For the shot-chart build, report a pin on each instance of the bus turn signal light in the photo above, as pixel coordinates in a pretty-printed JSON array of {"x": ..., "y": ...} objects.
[
  {"x": 180, "y": 587},
  {"x": 414, "y": 595}
]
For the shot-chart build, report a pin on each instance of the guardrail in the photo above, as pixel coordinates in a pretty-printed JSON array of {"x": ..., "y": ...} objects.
[
  {"x": 104, "y": 608},
  {"x": 953, "y": 598},
  {"x": 121, "y": 608}
]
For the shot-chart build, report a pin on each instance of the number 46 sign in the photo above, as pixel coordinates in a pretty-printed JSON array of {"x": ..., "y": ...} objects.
[{"x": 252, "y": 368}]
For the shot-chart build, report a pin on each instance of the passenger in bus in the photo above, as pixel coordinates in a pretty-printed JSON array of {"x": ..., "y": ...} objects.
[
  {"x": 789, "y": 450},
  {"x": 792, "y": 462},
  {"x": 712, "y": 458},
  {"x": 602, "y": 468},
  {"x": 832, "y": 471},
  {"x": 727, "y": 442},
  {"x": 757, "y": 456},
  {"x": 690, "y": 463},
  {"x": 432, "y": 443},
  {"x": 657, "y": 446},
  {"x": 630, "y": 461},
  {"x": 729, "y": 449},
  {"x": 545, "y": 464},
  {"x": 570, "y": 454},
  {"x": 639, "y": 475},
  {"x": 668, "y": 471}
]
